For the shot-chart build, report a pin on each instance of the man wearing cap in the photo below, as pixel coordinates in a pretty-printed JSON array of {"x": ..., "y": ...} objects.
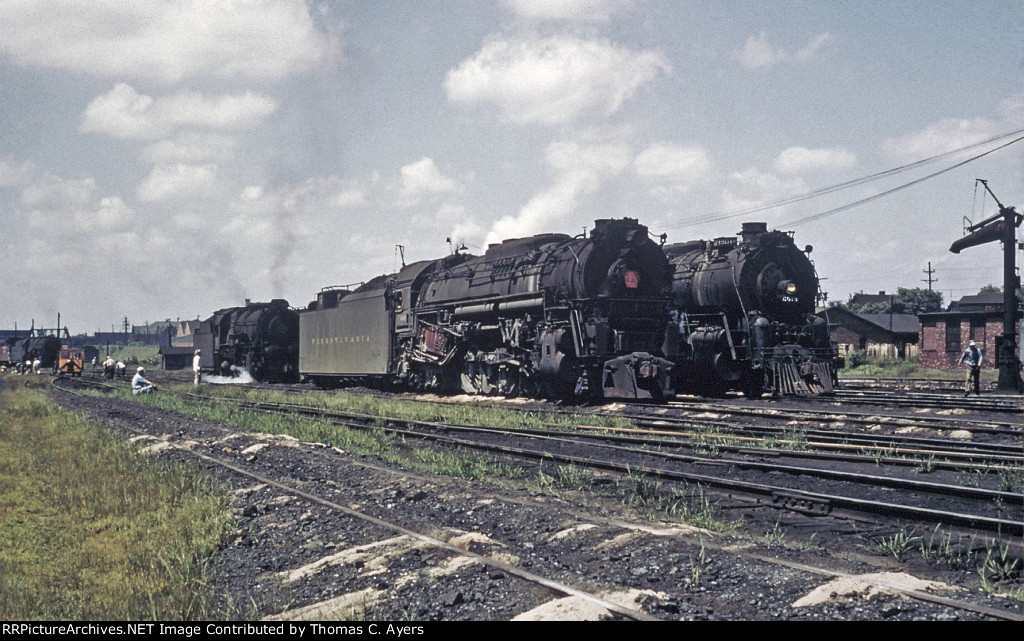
[
  {"x": 972, "y": 355},
  {"x": 195, "y": 367},
  {"x": 139, "y": 383}
]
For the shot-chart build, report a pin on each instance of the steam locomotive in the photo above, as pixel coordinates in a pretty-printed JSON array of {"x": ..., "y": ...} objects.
[
  {"x": 259, "y": 338},
  {"x": 745, "y": 314},
  {"x": 552, "y": 315},
  {"x": 15, "y": 351}
]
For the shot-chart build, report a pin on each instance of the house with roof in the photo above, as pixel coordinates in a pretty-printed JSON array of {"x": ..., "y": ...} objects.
[{"x": 878, "y": 335}]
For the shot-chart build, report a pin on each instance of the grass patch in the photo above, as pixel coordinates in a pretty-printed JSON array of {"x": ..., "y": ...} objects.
[
  {"x": 91, "y": 529},
  {"x": 566, "y": 477},
  {"x": 361, "y": 441},
  {"x": 859, "y": 365},
  {"x": 133, "y": 355}
]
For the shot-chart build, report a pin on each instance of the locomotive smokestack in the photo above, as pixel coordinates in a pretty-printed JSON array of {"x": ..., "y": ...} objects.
[{"x": 752, "y": 230}]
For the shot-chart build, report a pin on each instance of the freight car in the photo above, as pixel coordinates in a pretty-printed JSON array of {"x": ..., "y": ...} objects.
[
  {"x": 259, "y": 338},
  {"x": 745, "y": 312},
  {"x": 551, "y": 315}
]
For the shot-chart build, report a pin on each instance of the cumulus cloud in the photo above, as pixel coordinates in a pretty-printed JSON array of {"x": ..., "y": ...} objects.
[
  {"x": 953, "y": 133},
  {"x": 673, "y": 167},
  {"x": 579, "y": 170},
  {"x": 166, "y": 41},
  {"x": 354, "y": 197},
  {"x": 569, "y": 10},
  {"x": 124, "y": 113},
  {"x": 753, "y": 187},
  {"x": 68, "y": 232},
  {"x": 797, "y": 160},
  {"x": 757, "y": 52},
  {"x": 67, "y": 206},
  {"x": 423, "y": 178},
  {"x": 450, "y": 221},
  {"x": 191, "y": 147},
  {"x": 179, "y": 180},
  {"x": 553, "y": 80}
]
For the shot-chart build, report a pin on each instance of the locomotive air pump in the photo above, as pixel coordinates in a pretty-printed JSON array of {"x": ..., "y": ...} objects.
[{"x": 1002, "y": 227}]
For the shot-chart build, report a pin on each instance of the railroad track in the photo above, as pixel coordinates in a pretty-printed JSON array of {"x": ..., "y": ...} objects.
[
  {"x": 1003, "y": 403},
  {"x": 895, "y": 382},
  {"x": 994, "y": 612},
  {"x": 631, "y": 460},
  {"x": 840, "y": 415},
  {"x": 933, "y": 454}
]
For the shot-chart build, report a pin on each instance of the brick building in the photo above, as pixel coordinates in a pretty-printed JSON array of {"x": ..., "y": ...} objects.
[{"x": 945, "y": 335}]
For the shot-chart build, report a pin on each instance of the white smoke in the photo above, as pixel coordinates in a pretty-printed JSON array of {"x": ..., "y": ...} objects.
[{"x": 239, "y": 376}]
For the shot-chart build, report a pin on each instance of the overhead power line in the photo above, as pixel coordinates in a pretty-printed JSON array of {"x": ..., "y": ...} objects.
[
  {"x": 857, "y": 203},
  {"x": 733, "y": 213}
]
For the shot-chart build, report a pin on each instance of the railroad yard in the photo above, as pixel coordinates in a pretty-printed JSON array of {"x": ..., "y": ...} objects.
[{"x": 899, "y": 502}]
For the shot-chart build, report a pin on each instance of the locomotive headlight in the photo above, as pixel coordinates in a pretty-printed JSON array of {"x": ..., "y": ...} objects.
[{"x": 787, "y": 288}]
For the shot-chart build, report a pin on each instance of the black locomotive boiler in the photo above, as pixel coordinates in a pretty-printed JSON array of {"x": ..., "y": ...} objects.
[
  {"x": 260, "y": 338},
  {"x": 745, "y": 312},
  {"x": 552, "y": 315}
]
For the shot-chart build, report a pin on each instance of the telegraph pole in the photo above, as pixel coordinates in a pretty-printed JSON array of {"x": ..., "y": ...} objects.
[{"x": 929, "y": 272}]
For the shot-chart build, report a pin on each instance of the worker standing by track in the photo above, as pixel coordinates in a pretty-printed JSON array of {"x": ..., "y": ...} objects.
[
  {"x": 195, "y": 367},
  {"x": 973, "y": 356}
]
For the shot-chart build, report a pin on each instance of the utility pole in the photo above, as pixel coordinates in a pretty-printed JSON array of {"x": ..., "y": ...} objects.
[{"x": 929, "y": 272}]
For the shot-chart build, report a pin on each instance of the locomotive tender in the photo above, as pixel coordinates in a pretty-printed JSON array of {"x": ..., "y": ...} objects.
[
  {"x": 745, "y": 312},
  {"x": 261, "y": 338},
  {"x": 552, "y": 315}
]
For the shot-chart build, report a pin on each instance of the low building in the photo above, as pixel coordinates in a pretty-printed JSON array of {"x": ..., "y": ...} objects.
[
  {"x": 860, "y": 299},
  {"x": 945, "y": 336},
  {"x": 878, "y": 335},
  {"x": 175, "y": 357}
]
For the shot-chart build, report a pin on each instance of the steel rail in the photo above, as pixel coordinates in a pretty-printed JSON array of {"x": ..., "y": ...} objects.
[
  {"x": 972, "y": 448},
  {"x": 758, "y": 489},
  {"x": 944, "y": 422}
]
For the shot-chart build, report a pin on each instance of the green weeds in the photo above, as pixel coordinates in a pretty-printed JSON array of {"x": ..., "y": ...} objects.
[{"x": 93, "y": 530}]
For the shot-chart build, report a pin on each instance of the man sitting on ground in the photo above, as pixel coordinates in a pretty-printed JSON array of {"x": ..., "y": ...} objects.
[{"x": 140, "y": 385}]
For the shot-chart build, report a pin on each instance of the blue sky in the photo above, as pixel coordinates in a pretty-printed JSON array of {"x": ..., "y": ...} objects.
[{"x": 166, "y": 159}]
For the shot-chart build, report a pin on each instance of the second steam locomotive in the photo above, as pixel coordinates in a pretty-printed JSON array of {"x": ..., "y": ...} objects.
[
  {"x": 260, "y": 338},
  {"x": 745, "y": 312}
]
